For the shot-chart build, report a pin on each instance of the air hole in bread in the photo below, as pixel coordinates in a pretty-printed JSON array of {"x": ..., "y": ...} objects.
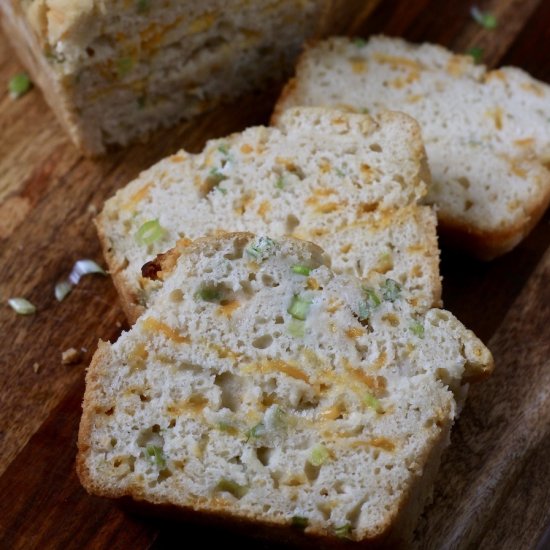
[
  {"x": 264, "y": 454},
  {"x": 150, "y": 436},
  {"x": 262, "y": 342},
  {"x": 311, "y": 471},
  {"x": 268, "y": 280},
  {"x": 325, "y": 509},
  {"x": 113, "y": 442},
  {"x": 279, "y": 320},
  {"x": 292, "y": 222},
  {"x": 109, "y": 412},
  {"x": 375, "y": 147},
  {"x": 176, "y": 296},
  {"x": 231, "y": 387},
  {"x": 398, "y": 178},
  {"x": 464, "y": 182},
  {"x": 247, "y": 287}
]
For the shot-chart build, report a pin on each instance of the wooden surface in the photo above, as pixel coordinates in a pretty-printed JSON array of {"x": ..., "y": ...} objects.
[{"x": 493, "y": 490}]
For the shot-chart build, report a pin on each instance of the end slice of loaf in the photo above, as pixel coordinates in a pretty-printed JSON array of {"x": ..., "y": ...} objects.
[
  {"x": 344, "y": 181},
  {"x": 263, "y": 387},
  {"x": 487, "y": 134},
  {"x": 114, "y": 71}
]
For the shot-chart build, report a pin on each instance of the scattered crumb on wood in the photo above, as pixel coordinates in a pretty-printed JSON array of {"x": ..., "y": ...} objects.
[
  {"x": 36, "y": 367},
  {"x": 71, "y": 356}
]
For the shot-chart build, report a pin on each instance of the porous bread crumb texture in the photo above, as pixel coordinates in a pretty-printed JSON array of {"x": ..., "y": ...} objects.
[
  {"x": 245, "y": 390},
  {"x": 487, "y": 134},
  {"x": 123, "y": 68},
  {"x": 341, "y": 180}
]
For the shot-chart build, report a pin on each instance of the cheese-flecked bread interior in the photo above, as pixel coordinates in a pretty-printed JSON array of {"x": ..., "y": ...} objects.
[
  {"x": 260, "y": 385},
  {"x": 487, "y": 133},
  {"x": 344, "y": 181}
]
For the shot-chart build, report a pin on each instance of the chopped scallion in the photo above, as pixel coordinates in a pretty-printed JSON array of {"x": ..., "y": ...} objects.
[
  {"x": 477, "y": 53},
  {"x": 150, "y": 232},
  {"x": 232, "y": 487},
  {"x": 280, "y": 183},
  {"x": 215, "y": 177},
  {"x": 62, "y": 289},
  {"x": 261, "y": 249},
  {"x": 359, "y": 42},
  {"x": 301, "y": 269},
  {"x": 209, "y": 294},
  {"x": 373, "y": 403},
  {"x": 391, "y": 290},
  {"x": 369, "y": 305},
  {"x": 299, "y": 308},
  {"x": 299, "y": 522},
  {"x": 256, "y": 431},
  {"x": 319, "y": 455},
  {"x": 123, "y": 66},
  {"x": 19, "y": 85},
  {"x": 417, "y": 328},
  {"x": 156, "y": 455},
  {"x": 22, "y": 306},
  {"x": 143, "y": 6},
  {"x": 84, "y": 267},
  {"x": 485, "y": 19},
  {"x": 343, "y": 531},
  {"x": 297, "y": 328}
]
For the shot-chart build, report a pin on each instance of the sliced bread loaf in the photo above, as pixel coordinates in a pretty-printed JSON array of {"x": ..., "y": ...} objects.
[
  {"x": 261, "y": 386},
  {"x": 341, "y": 180},
  {"x": 487, "y": 134}
]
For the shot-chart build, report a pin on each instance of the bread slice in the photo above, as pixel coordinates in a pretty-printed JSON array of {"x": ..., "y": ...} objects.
[
  {"x": 113, "y": 71},
  {"x": 260, "y": 386},
  {"x": 342, "y": 180},
  {"x": 487, "y": 134}
]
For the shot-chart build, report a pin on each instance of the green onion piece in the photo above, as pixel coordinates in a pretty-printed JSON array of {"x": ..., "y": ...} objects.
[
  {"x": 156, "y": 455},
  {"x": 232, "y": 487},
  {"x": 123, "y": 66},
  {"x": 485, "y": 19},
  {"x": 477, "y": 53},
  {"x": 84, "y": 267},
  {"x": 62, "y": 289},
  {"x": 143, "y": 6},
  {"x": 340, "y": 173},
  {"x": 343, "y": 531},
  {"x": 261, "y": 249},
  {"x": 222, "y": 190},
  {"x": 225, "y": 427},
  {"x": 299, "y": 308},
  {"x": 223, "y": 149},
  {"x": 391, "y": 290},
  {"x": 369, "y": 305},
  {"x": 150, "y": 232},
  {"x": 280, "y": 183},
  {"x": 209, "y": 294},
  {"x": 359, "y": 42},
  {"x": 417, "y": 328},
  {"x": 297, "y": 328},
  {"x": 256, "y": 431},
  {"x": 299, "y": 522},
  {"x": 301, "y": 269},
  {"x": 319, "y": 455},
  {"x": 279, "y": 419},
  {"x": 215, "y": 177},
  {"x": 373, "y": 403},
  {"x": 22, "y": 306},
  {"x": 19, "y": 85},
  {"x": 364, "y": 111}
]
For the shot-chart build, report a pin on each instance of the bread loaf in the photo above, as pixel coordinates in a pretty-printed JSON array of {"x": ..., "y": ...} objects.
[
  {"x": 263, "y": 387},
  {"x": 113, "y": 71},
  {"x": 487, "y": 133},
  {"x": 344, "y": 181}
]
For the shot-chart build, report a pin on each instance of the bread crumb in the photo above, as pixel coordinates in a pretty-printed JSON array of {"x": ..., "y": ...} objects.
[
  {"x": 36, "y": 367},
  {"x": 71, "y": 356}
]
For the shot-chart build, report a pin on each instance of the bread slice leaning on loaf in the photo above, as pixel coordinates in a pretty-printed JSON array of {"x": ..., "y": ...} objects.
[
  {"x": 345, "y": 181},
  {"x": 114, "y": 71},
  {"x": 487, "y": 133},
  {"x": 262, "y": 387}
]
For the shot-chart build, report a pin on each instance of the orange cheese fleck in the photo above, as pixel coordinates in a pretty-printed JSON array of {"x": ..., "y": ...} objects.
[
  {"x": 154, "y": 325},
  {"x": 228, "y": 308},
  {"x": 138, "y": 196},
  {"x": 246, "y": 149}
]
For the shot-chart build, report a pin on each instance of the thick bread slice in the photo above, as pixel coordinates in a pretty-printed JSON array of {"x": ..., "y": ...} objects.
[
  {"x": 114, "y": 71},
  {"x": 342, "y": 180},
  {"x": 261, "y": 386},
  {"x": 487, "y": 134}
]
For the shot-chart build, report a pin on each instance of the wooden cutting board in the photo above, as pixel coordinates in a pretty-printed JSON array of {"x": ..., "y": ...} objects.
[{"x": 493, "y": 490}]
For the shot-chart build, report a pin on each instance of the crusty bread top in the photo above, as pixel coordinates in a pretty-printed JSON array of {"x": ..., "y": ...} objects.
[
  {"x": 341, "y": 180},
  {"x": 487, "y": 134},
  {"x": 264, "y": 386}
]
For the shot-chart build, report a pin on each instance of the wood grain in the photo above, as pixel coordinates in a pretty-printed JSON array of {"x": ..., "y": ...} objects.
[{"x": 493, "y": 490}]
